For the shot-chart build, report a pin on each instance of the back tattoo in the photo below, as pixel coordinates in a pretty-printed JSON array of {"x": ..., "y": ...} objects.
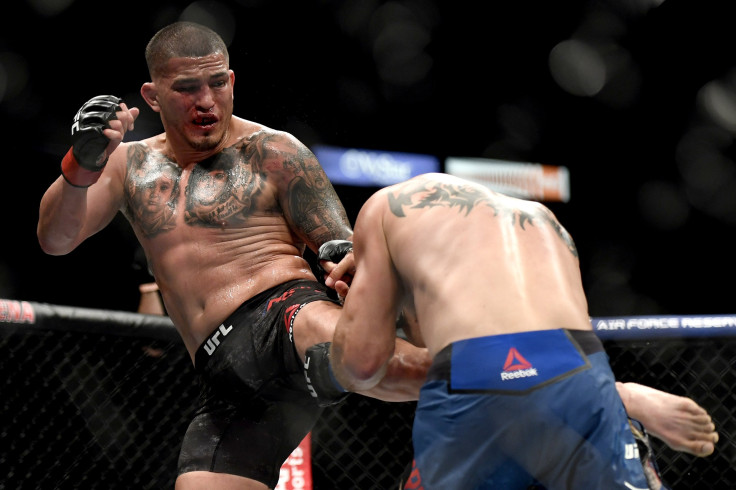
[{"x": 466, "y": 198}]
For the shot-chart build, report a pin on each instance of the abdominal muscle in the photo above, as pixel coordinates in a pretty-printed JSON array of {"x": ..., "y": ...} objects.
[{"x": 204, "y": 280}]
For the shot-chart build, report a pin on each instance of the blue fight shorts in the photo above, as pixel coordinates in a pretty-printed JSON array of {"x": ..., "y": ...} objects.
[{"x": 526, "y": 410}]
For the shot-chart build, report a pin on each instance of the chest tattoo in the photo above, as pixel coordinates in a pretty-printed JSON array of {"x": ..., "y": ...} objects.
[
  {"x": 222, "y": 189},
  {"x": 151, "y": 191},
  {"x": 219, "y": 191}
]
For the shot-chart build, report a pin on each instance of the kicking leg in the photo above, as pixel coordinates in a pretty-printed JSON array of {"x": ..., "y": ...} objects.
[{"x": 678, "y": 421}]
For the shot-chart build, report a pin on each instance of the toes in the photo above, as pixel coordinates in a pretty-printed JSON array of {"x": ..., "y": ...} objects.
[{"x": 706, "y": 449}]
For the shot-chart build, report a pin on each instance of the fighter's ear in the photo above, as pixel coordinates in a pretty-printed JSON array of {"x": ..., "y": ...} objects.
[{"x": 150, "y": 95}]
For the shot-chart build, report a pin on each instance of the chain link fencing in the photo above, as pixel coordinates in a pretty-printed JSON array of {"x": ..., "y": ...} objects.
[{"x": 95, "y": 399}]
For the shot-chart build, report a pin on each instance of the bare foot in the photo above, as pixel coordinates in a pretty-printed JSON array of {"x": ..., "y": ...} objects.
[{"x": 678, "y": 421}]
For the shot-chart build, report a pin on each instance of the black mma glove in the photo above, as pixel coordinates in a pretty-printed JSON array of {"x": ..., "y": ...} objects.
[
  {"x": 321, "y": 381},
  {"x": 335, "y": 250},
  {"x": 81, "y": 166}
]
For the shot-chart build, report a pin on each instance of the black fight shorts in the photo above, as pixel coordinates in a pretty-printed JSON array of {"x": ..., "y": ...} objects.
[{"x": 254, "y": 407}]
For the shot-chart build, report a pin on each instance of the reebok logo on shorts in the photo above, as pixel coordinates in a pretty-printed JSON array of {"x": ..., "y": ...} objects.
[
  {"x": 513, "y": 362},
  {"x": 516, "y": 366}
]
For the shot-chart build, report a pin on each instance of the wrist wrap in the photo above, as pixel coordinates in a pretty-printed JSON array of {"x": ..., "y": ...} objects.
[{"x": 75, "y": 174}]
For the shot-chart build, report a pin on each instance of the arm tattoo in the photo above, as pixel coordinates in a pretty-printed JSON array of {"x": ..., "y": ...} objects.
[
  {"x": 313, "y": 204},
  {"x": 314, "y": 210},
  {"x": 466, "y": 198}
]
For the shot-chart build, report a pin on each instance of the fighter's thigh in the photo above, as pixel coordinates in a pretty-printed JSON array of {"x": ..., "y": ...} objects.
[
  {"x": 314, "y": 323},
  {"x": 197, "y": 480}
]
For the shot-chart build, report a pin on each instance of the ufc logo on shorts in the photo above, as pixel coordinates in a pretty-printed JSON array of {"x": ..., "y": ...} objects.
[{"x": 214, "y": 341}]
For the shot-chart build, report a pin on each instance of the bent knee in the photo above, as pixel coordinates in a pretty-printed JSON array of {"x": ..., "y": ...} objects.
[{"x": 315, "y": 323}]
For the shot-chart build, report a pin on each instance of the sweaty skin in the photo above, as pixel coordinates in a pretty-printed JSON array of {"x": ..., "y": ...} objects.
[
  {"x": 478, "y": 272},
  {"x": 503, "y": 265},
  {"x": 678, "y": 421},
  {"x": 234, "y": 228},
  {"x": 223, "y": 208}
]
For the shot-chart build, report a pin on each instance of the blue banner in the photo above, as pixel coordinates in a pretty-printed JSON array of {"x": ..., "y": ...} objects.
[{"x": 368, "y": 168}]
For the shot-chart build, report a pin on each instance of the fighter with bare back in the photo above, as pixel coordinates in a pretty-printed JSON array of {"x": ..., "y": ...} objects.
[{"x": 520, "y": 392}]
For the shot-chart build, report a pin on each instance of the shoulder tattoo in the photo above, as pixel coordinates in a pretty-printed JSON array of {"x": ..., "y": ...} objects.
[
  {"x": 466, "y": 199},
  {"x": 312, "y": 205}
]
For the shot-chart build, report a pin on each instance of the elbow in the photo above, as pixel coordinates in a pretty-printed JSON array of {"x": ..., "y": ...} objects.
[
  {"x": 47, "y": 247},
  {"x": 359, "y": 364},
  {"x": 365, "y": 374},
  {"x": 51, "y": 247}
]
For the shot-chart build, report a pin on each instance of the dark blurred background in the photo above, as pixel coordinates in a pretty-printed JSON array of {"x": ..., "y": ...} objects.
[{"x": 637, "y": 98}]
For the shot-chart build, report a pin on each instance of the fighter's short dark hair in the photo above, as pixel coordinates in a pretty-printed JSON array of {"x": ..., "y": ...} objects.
[{"x": 182, "y": 40}]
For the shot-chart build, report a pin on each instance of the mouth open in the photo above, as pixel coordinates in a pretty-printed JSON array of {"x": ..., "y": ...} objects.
[{"x": 205, "y": 122}]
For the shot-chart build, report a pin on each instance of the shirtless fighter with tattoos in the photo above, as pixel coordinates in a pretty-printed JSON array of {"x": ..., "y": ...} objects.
[{"x": 223, "y": 208}]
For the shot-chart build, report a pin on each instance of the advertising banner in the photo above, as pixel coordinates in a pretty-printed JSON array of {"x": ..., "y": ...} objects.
[
  {"x": 370, "y": 168},
  {"x": 532, "y": 181}
]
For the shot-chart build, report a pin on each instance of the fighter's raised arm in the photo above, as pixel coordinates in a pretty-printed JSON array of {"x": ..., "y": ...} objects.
[
  {"x": 223, "y": 208},
  {"x": 69, "y": 211}
]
